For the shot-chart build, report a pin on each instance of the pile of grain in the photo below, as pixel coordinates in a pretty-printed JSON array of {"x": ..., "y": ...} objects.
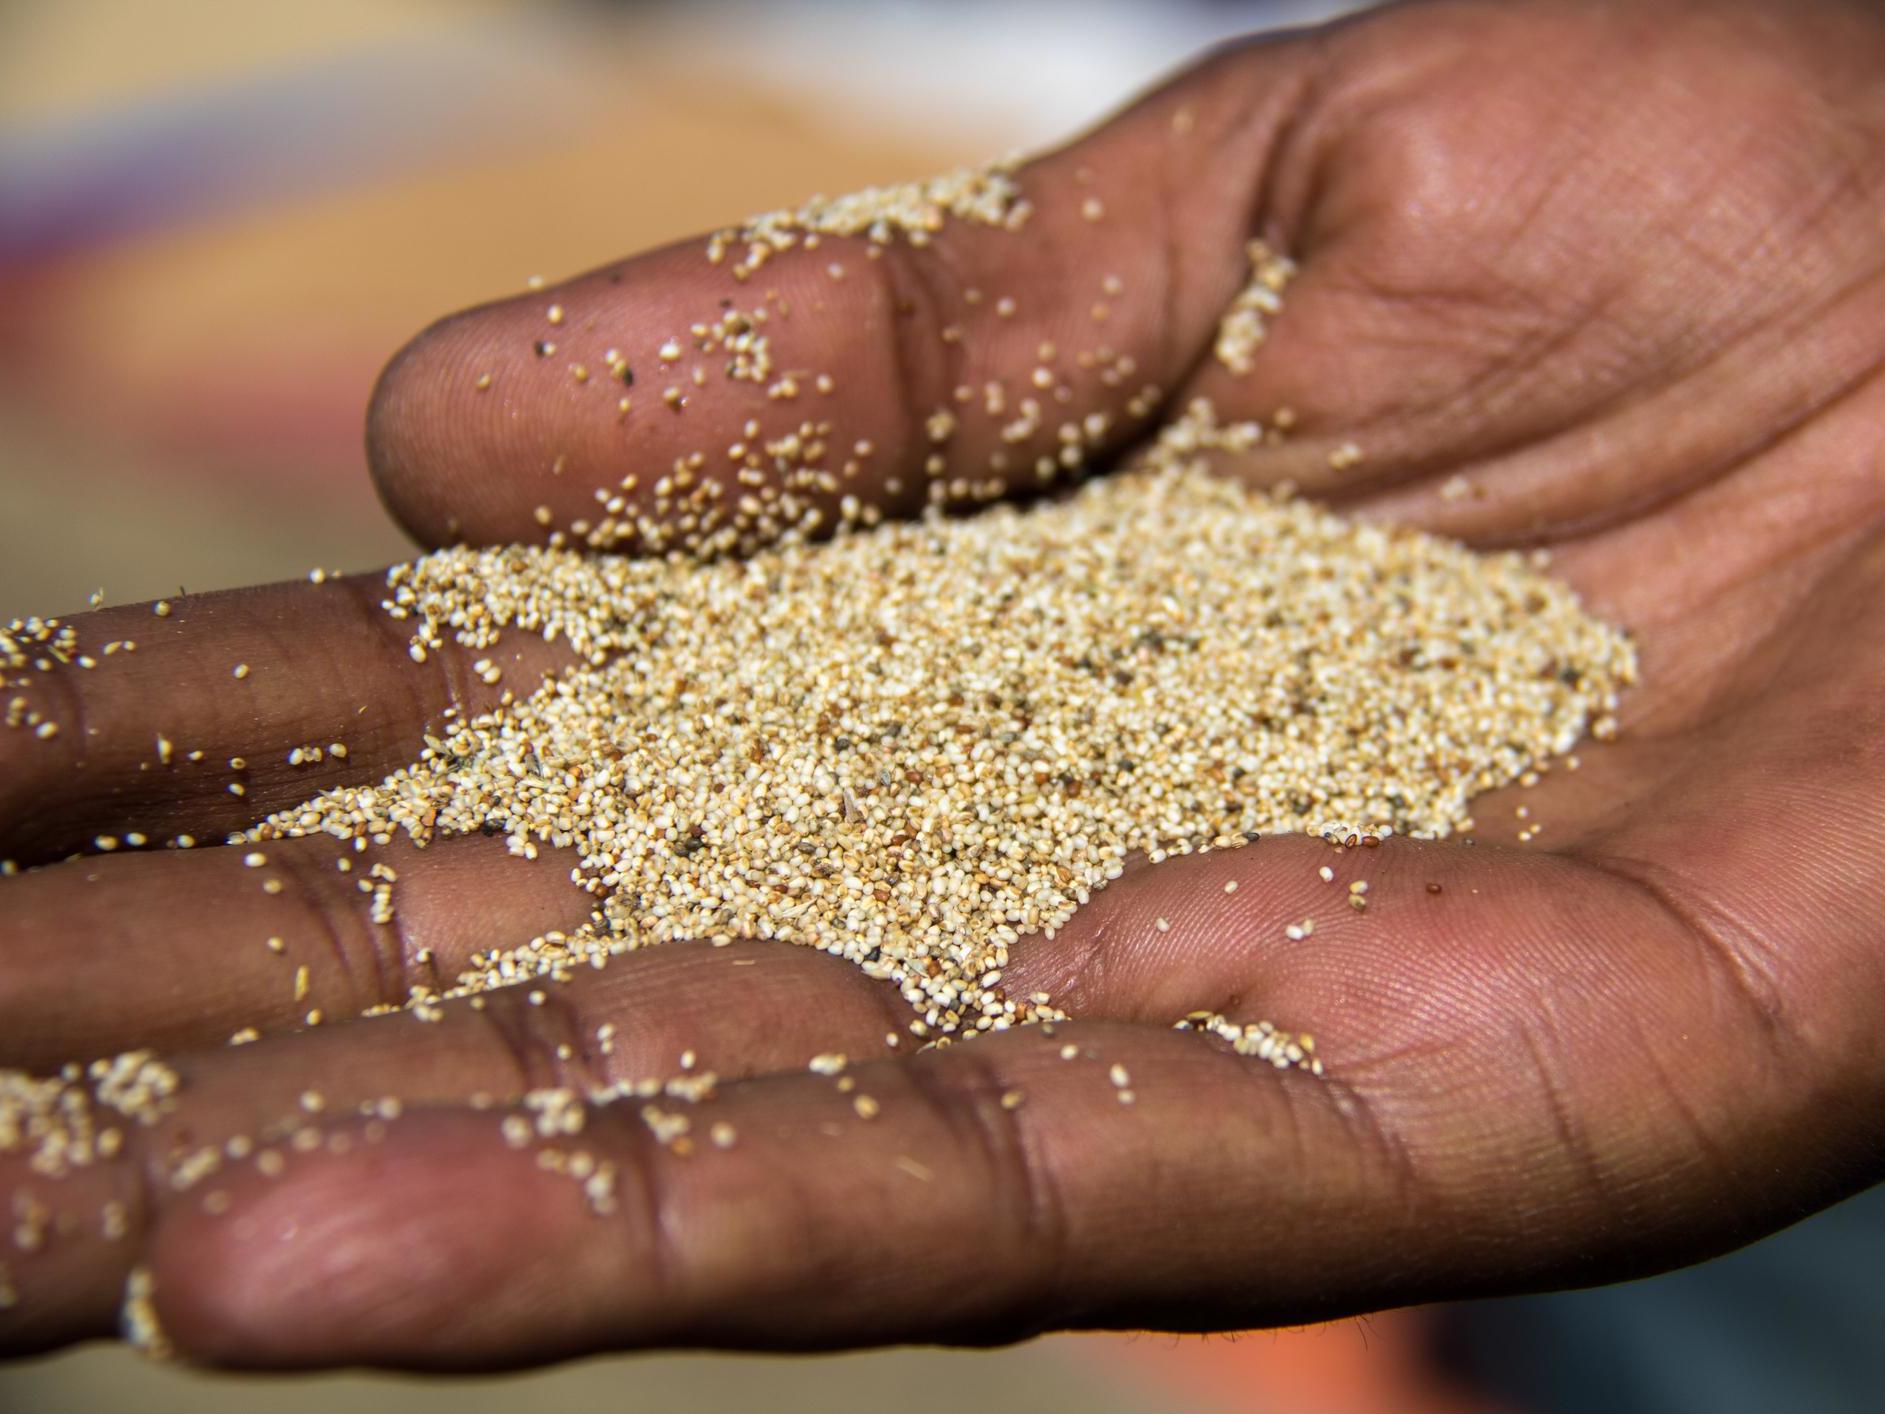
[{"x": 915, "y": 745}]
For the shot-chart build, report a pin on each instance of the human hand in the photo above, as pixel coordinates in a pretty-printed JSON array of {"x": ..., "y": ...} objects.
[{"x": 1595, "y": 278}]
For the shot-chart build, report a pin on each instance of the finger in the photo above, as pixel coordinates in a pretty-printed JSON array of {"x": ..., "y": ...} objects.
[
  {"x": 722, "y": 1239},
  {"x": 993, "y": 357},
  {"x": 200, "y": 715},
  {"x": 183, "y": 949},
  {"x": 678, "y": 1014},
  {"x": 984, "y": 1193},
  {"x": 734, "y": 1011}
]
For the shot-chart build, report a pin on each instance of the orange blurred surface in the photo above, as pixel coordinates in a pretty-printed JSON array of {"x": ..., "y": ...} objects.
[{"x": 225, "y": 357}]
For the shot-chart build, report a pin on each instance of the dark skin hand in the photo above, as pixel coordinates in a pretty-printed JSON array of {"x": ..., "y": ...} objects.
[{"x": 1617, "y": 266}]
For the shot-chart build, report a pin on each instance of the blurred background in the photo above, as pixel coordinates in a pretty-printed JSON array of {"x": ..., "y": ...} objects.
[{"x": 218, "y": 218}]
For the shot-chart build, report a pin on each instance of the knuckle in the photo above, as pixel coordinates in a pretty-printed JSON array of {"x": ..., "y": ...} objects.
[
  {"x": 369, "y": 958},
  {"x": 966, "y": 1091},
  {"x": 542, "y": 1034}
]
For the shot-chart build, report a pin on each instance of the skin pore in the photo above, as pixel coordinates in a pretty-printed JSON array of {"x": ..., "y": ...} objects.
[{"x": 1601, "y": 279}]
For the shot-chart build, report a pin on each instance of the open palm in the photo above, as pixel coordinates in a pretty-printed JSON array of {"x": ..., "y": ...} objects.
[{"x": 1599, "y": 279}]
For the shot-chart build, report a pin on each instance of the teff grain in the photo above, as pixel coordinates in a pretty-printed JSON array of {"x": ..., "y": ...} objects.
[
  {"x": 66, "y": 1122},
  {"x": 1245, "y": 324},
  {"x": 915, "y": 745},
  {"x": 913, "y": 210},
  {"x": 137, "y": 1316},
  {"x": 1259, "y": 1039}
]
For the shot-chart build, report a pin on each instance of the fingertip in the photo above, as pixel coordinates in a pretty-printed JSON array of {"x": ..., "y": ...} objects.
[
  {"x": 425, "y": 441},
  {"x": 587, "y": 412},
  {"x": 422, "y": 1250}
]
